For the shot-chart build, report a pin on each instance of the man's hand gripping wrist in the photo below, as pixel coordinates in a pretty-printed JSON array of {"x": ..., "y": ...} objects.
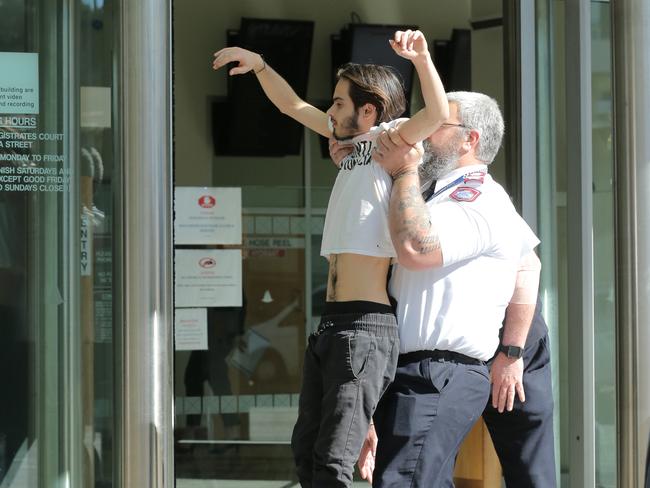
[{"x": 395, "y": 155}]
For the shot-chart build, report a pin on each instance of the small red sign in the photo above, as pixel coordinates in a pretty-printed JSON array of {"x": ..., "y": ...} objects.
[
  {"x": 207, "y": 201},
  {"x": 207, "y": 263}
]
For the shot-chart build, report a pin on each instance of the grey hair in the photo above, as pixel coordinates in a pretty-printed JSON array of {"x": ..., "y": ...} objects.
[{"x": 480, "y": 112}]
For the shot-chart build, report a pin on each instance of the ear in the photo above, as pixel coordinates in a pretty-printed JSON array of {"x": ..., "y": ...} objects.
[
  {"x": 368, "y": 111},
  {"x": 471, "y": 140}
]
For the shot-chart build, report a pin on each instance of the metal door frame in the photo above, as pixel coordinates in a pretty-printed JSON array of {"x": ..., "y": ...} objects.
[
  {"x": 521, "y": 21},
  {"x": 145, "y": 368}
]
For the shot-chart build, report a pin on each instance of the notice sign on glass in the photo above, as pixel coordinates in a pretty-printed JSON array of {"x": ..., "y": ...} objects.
[
  {"x": 207, "y": 215},
  {"x": 19, "y": 83},
  {"x": 208, "y": 278},
  {"x": 191, "y": 329}
]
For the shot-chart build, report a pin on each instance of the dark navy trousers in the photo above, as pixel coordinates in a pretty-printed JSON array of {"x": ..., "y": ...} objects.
[
  {"x": 424, "y": 416},
  {"x": 523, "y": 438}
]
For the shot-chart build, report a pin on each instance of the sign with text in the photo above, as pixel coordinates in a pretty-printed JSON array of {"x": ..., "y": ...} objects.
[
  {"x": 208, "y": 278},
  {"x": 86, "y": 246},
  {"x": 191, "y": 329},
  {"x": 274, "y": 243},
  {"x": 19, "y": 83},
  {"x": 95, "y": 107},
  {"x": 207, "y": 215}
]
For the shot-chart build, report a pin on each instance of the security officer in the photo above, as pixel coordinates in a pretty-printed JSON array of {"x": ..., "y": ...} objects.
[
  {"x": 458, "y": 256},
  {"x": 522, "y": 429}
]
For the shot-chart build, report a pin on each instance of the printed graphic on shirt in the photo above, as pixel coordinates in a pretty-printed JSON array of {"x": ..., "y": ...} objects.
[
  {"x": 361, "y": 156},
  {"x": 465, "y": 194}
]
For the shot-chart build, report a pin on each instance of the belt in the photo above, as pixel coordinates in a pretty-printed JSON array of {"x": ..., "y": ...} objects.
[
  {"x": 330, "y": 326},
  {"x": 437, "y": 355}
]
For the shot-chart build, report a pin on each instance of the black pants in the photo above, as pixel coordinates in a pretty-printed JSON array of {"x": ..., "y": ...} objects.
[
  {"x": 523, "y": 438},
  {"x": 424, "y": 416},
  {"x": 349, "y": 362}
]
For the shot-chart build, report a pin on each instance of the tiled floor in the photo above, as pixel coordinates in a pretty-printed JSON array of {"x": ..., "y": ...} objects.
[
  {"x": 180, "y": 483},
  {"x": 236, "y": 465}
]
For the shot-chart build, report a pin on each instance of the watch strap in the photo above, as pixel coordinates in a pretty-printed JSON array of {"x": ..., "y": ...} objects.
[{"x": 511, "y": 351}]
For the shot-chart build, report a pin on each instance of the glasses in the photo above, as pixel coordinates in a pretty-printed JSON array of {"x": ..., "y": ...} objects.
[{"x": 453, "y": 125}]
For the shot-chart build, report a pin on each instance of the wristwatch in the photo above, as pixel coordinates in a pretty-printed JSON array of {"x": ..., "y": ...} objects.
[{"x": 511, "y": 351}]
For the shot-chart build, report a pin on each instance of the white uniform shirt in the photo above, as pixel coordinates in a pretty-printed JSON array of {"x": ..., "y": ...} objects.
[
  {"x": 460, "y": 306},
  {"x": 357, "y": 212}
]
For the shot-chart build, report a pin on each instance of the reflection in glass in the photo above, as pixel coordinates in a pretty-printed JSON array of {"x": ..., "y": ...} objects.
[
  {"x": 236, "y": 402},
  {"x": 604, "y": 258},
  {"x": 552, "y": 201},
  {"x": 56, "y": 246}
]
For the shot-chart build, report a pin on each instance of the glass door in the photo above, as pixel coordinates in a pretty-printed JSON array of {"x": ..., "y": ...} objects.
[
  {"x": 583, "y": 387},
  {"x": 247, "y": 296},
  {"x": 58, "y": 183},
  {"x": 604, "y": 245}
]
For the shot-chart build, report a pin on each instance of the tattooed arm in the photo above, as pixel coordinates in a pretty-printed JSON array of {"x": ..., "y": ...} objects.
[{"x": 413, "y": 233}]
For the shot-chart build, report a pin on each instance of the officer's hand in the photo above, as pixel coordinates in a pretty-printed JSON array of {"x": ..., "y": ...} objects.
[
  {"x": 506, "y": 375},
  {"x": 366, "y": 460},
  {"x": 396, "y": 155},
  {"x": 338, "y": 152},
  {"x": 246, "y": 60}
]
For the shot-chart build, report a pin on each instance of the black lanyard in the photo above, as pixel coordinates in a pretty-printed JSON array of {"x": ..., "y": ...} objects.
[{"x": 429, "y": 194}]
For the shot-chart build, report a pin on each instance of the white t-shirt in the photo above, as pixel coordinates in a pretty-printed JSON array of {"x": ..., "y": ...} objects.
[
  {"x": 460, "y": 306},
  {"x": 357, "y": 213}
]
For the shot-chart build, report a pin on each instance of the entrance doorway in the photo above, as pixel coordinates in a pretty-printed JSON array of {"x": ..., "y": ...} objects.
[{"x": 240, "y": 338}]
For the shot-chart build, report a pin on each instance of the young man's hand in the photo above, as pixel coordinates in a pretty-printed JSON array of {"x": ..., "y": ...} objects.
[
  {"x": 395, "y": 155},
  {"x": 409, "y": 44},
  {"x": 338, "y": 152},
  {"x": 366, "y": 462},
  {"x": 246, "y": 60}
]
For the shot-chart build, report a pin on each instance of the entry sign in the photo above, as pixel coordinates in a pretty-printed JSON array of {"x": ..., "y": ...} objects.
[
  {"x": 208, "y": 278},
  {"x": 19, "y": 83},
  {"x": 207, "y": 215}
]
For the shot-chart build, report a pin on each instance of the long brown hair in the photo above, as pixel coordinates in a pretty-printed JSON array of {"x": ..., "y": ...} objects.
[{"x": 377, "y": 85}]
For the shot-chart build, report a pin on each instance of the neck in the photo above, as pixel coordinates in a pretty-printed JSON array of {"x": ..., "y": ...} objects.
[
  {"x": 469, "y": 160},
  {"x": 364, "y": 128}
]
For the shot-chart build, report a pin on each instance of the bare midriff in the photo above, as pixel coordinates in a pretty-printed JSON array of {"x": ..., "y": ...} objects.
[{"x": 357, "y": 277}]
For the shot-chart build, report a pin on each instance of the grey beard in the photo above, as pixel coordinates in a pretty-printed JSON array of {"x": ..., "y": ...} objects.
[{"x": 436, "y": 164}]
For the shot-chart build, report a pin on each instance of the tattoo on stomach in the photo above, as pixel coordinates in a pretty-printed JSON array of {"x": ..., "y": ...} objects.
[{"x": 333, "y": 278}]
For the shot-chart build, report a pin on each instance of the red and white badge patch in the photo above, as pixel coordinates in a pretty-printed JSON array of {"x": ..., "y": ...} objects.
[
  {"x": 474, "y": 177},
  {"x": 465, "y": 194}
]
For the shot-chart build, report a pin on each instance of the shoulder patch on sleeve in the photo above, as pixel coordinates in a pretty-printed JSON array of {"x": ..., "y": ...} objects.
[{"x": 465, "y": 194}]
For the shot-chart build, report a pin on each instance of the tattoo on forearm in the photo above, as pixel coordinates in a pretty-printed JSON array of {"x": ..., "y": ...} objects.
[
  {"x": 410, "y": 200},
  {"x": 414, "y": 224},
  {"x": 396, "y": 176},
  {"x": 428, "y": 244}
]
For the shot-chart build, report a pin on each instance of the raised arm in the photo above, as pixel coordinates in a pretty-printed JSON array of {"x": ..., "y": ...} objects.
[
  {"x": 413, "y": 46},
  {"x": 275, "y": 87}
]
